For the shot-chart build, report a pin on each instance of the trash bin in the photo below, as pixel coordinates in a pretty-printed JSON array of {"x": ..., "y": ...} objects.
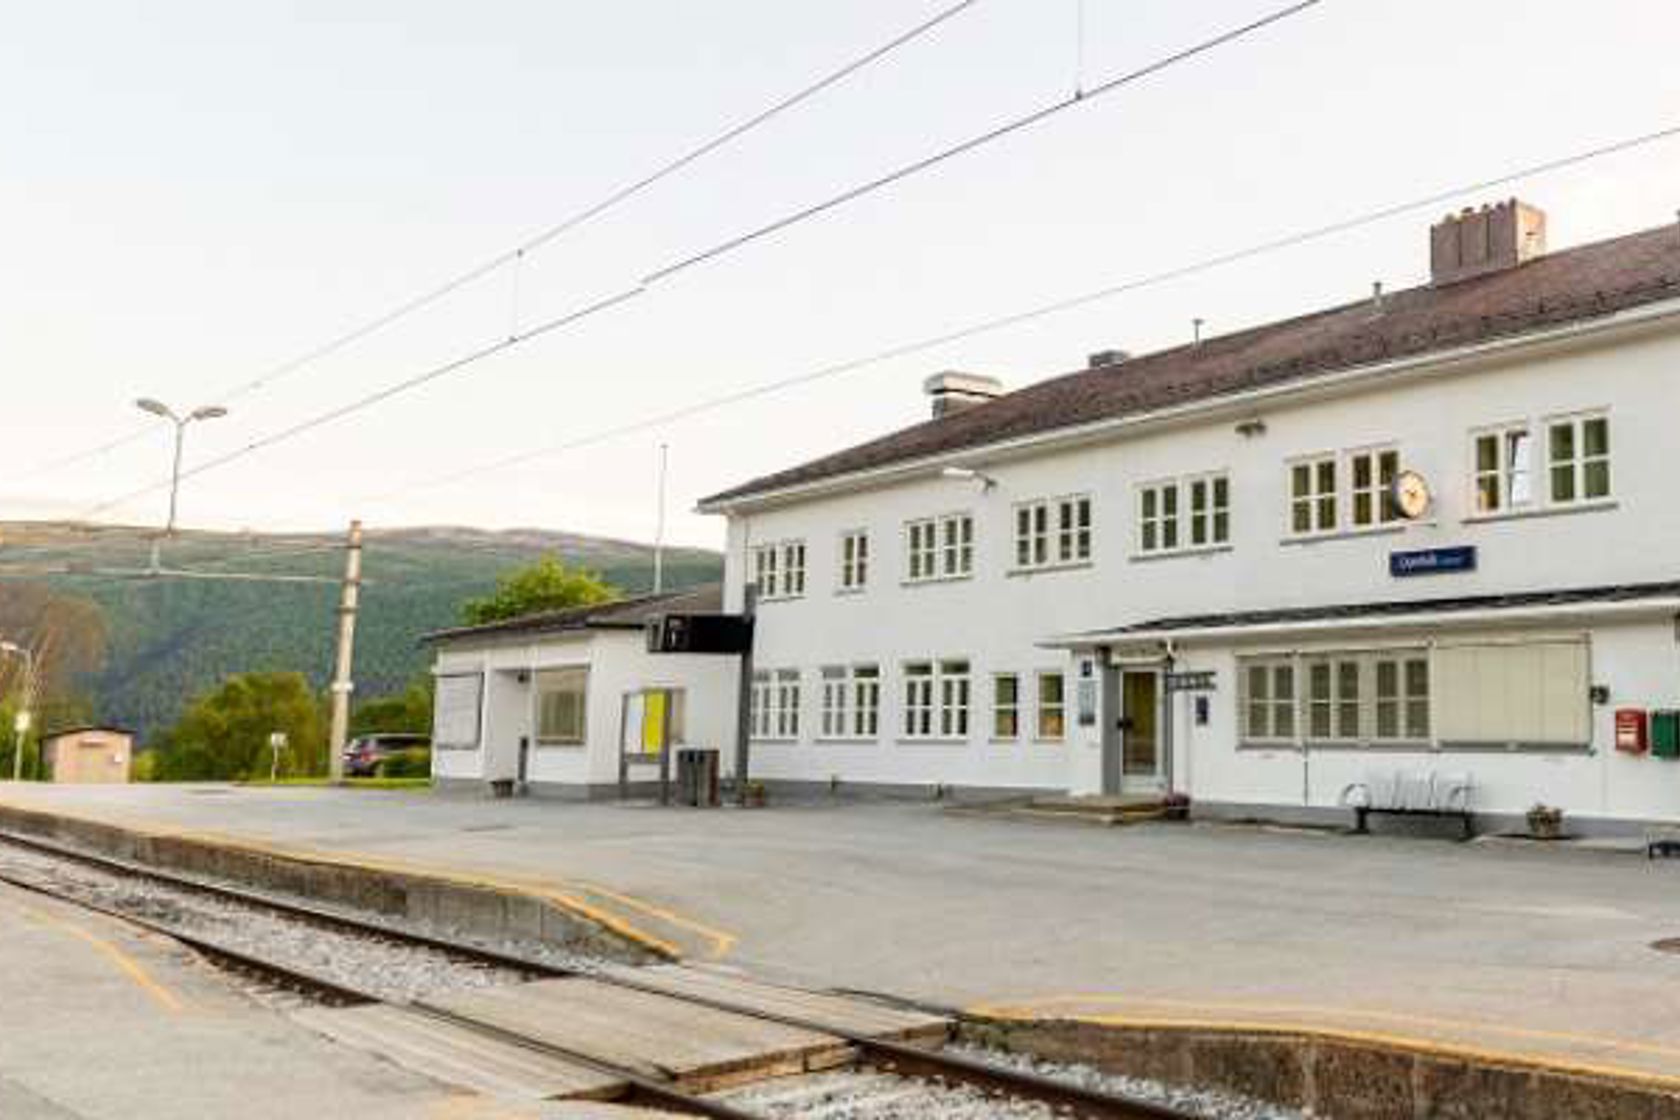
[{"x": 697, "y": 776}]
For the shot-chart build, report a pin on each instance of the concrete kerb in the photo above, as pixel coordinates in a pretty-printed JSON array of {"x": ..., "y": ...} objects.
[
  {"x": 462, "y": 902},
  {"x": 1348, "y": 1075}
]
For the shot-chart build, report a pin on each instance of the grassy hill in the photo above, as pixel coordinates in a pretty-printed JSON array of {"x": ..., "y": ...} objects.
[{"x": 170, "y": 639}]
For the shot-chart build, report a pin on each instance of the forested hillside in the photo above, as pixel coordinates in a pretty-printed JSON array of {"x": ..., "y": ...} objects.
[{"x": 170, "y": 639}]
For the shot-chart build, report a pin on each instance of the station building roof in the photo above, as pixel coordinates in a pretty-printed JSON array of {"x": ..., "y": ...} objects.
[{"x": 622, "y": 614}]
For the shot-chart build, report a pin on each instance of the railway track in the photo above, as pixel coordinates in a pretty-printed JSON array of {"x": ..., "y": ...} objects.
[{"x": 875, "y": 1055}]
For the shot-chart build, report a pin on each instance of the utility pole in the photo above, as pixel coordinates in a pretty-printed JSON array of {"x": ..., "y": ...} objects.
[{"x": 349, "y": 597}]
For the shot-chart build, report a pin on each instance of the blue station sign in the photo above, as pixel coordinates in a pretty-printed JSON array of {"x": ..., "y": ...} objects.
[{"x": 1432, "y": 561}]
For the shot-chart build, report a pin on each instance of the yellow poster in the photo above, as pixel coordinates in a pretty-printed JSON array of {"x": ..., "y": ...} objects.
[{"x": 653, "y": 722}]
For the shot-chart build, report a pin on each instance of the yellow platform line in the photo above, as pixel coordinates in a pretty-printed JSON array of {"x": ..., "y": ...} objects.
[
  {"x": 127, "y": 965},
  {"x": 722, "y": 941},
  {"x": 1041, "y": 1010}
]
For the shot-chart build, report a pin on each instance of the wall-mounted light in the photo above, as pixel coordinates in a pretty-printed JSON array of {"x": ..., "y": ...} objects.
[
  {"x": 969, "y": 474},
  {"x": 1252, "y": 428}
]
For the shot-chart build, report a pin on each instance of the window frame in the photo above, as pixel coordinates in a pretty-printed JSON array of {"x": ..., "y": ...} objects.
[
  {"x": 1352, "y": 679},
  {"x": 1042, "y": 706},
  {"x": 1315, "y": 497},
  {"x": 853, "y": 567},
  {"x": 1000, "y": 708},
  {"x": 771, "y": 718},
  {"x": 939, "y": 548},
  {"x": 1055, "y": 532},
  {"x": 1504, "y": 473},
  {"x": 1580, "y": 460},
  {"x": 1164, "y": 504},
  {"x": 850, "y": 703},
  {"x": 539, "y": 692},
  {"x": 1383, "y": 511},
  {"x": 779, "y": 569}
]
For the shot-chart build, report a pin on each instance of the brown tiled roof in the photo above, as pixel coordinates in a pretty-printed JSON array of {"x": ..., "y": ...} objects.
[
  {"x": 625, "y": 614},
  {"x": 1563, "y": 287}
]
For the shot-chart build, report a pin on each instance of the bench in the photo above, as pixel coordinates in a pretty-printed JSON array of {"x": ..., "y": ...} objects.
[{"x": 1412, "y": 793}]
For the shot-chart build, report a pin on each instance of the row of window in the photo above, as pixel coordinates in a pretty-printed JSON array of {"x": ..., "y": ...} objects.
[
  {"x": 1327, "y": 493},
  {"x": 1520, "y": 693},
  {"x": 937, "y": 702}
]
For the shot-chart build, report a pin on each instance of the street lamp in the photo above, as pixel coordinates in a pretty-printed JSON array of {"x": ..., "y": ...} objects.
[
  {"x": 20, "y": 725},
  {"x": 158, "y": 408}
]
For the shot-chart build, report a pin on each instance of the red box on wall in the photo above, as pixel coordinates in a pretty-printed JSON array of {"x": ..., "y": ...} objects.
[{"x": 1633, "y": 730}]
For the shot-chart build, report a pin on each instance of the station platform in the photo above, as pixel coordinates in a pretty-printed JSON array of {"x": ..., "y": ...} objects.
[{"x": 1496, "y": 952}]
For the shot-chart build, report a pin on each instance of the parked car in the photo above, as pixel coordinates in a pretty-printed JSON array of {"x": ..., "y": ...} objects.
[{"x": 364, "y": 753}]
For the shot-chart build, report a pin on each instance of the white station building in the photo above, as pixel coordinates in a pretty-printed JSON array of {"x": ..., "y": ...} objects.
[{"x": 1424, "y": 533}]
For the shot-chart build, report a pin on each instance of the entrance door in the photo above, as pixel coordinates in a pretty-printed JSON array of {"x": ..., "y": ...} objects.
[{"x": 1140, "y": 741}]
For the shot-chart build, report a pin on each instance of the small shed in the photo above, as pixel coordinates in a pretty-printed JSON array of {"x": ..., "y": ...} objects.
[{"x": 88, "y": 755}]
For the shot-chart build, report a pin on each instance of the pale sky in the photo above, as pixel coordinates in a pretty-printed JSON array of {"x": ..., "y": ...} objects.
[{"x": 194, "y": 192}]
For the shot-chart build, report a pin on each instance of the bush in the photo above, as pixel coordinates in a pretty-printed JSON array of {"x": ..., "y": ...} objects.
[{"x": 416, "y": 762}]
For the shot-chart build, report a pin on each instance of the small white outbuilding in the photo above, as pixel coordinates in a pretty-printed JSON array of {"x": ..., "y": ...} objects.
[{"x": 571, "y": 703}]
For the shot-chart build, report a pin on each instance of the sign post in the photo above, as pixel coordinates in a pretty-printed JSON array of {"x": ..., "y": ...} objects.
[{"x": 277, "y": 741}]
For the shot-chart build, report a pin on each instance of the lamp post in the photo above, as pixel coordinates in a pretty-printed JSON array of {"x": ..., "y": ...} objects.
[
  {"x": 158, "y": 408},
  {"x": 20, "y": 724}
]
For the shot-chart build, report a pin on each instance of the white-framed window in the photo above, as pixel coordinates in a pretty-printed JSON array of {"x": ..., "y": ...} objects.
[
  {"x": 854, "y": 560},
  {"x": 1268, "y": 700},
  {"x": 955, "y": 689},
  {"x": 851, "y": 701},
  {"x": 1053, "y": 531},
  {"x": 1158, "y": 517},
  {"x": 562, "y": 706},
  {"x": 1052, "y": 705},
  {"x": 1210, "y": 510},
  {"x": 939, "y": 547},
  {"x": 1347, "y": 698},
  {"x": 1578, "y": 458},
  {"x": 1400, "y": 697},
  {"x": 918, "y": 699},
  {"x": 779, "y": 569},
  {"x": 1503, "y": 468},
  {"x": 1181, "y": 514},
  {"x": 1371, "y": 475},
  {"x": 1006, "y": 706},
  {"x": 1312, "y": 495},
  {"x": 775, "y": 704}
]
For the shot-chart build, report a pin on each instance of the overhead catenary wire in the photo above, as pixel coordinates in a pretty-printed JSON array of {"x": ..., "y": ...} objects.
[
  {"x": 731, "y": 245},
  {"x": 1016, "y": 318},
  {"x": 542, "y": 238}
]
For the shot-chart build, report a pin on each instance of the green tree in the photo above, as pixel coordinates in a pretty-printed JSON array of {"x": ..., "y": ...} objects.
[
  {"x": 224, "y": 735},
  {"x": 547, "y": 585},
  {"x": 409, "y": 710}
]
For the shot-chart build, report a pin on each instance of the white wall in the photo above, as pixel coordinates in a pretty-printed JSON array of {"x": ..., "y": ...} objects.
[{"x": 997, "y": 619}]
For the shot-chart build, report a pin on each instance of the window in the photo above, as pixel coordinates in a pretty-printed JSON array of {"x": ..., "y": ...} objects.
[
  {"x": 1210, "y": 511},
  {"x": 775, "y": 704},
  {"x": 851, "y": 702},
  {"x": 1514, "y": 694},
  {"x": 1401, "y": 694},
  {"x": 1337, "y": 697},
  {"x": 1504, "y": 469},
  {"x": 780, "y": 570},
  {"x": 918, "y": 700},
  {"x": 1312, "y": 496},
  {"x": 939, "y": 547},
  {"x": 1006, "y": 706},
  {"x": 854, "y": 560},
  {"x": 1268, "y": 701},
  {"x": 1579, "y": 458},
  {"x": 1052, "y": 706},
  {"x": 787, "y": 703},
  {"x": 1372, "y": 475},
  {"x": 953, "y": 699},
  {"x": 1188, "y": 513},
  {"x": 1048, "y": 533},
  {"x": 1158, "y": 518},
  {"x": 562, "y": 705},
  {"x": 767, "y": 571}
]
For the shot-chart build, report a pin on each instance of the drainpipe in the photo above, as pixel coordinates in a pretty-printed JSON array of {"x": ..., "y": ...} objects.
[{"x": 1169, "y": 657}]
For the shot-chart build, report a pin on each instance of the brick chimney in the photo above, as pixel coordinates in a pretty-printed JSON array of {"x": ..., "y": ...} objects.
[
  {"x": 953, "y": 391},
  {"x": 1476, "y": 242}
]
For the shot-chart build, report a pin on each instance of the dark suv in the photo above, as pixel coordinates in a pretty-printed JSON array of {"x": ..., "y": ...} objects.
[{"x": 364, "y": 753}]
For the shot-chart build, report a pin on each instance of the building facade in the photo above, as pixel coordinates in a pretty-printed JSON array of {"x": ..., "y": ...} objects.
[
  {"x": 89, "y": 755},
  {"x": 1425, "y": 532},
  {"x": 572, "y": 704}
]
